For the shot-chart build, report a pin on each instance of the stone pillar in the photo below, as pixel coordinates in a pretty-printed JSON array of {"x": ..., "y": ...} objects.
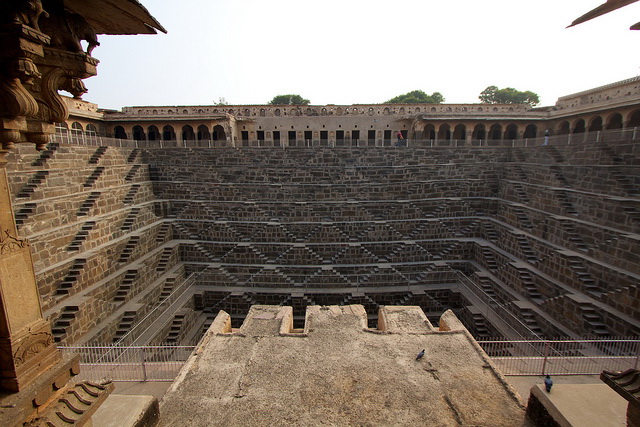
[
  {"x": 32, "y": 369},
  {"x": 26, "y": 344}
]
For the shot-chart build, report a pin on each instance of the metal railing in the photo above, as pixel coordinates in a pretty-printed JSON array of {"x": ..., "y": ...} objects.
[
  {"x": 162, "y": 307},
  {"x": 512, "y": 358},
  {"x": 131, "y": 363},
  {"x": 496, "y": 308},
  {"x": 78, "y": 137},
  {"x": 562, "y": 357}
]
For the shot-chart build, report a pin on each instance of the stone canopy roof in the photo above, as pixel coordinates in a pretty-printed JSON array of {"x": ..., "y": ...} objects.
[{"x": 116, "y": 16}]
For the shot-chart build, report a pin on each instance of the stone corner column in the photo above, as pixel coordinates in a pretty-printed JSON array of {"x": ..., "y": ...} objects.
[{"x": 27, "y": 348}]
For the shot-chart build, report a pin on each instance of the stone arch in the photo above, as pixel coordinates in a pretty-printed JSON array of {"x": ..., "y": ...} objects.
[
  {"x": 429, "y": 131},
  {"x": 579, "y": 126},
  {"x": 444, "y": 132},
  {"x": 247, "y": 112},
  {"x": 119, "y": 133},
  {"x": 563, "y": 128},
  {"x": 614, "y": 121},
  {"x": 187, "y": 133},
  {"x": 153, "y": 133},
  {"x": 77, "y": 126},
  {"x": 263, "y": 112},
  {"x": 386, "y": 111},
  {"x": 185, "y": 111},
  {"x": 339, "y": 111},
  {"x": 460, "y": 132},
  {"x": 401, "y": 111},
  {"x": 219, "y": 134},
  {"x": 531, "y": 131},
  {"x": 203, "y": 133},
  {"x": 634, "y": 119},
  {"x": 479, "y": 132},
  {"x": 91, "y": 128},
  {"x": 511, "y": 131},
  {"x": 168, "y": 134},
  {"x": 495, "y": 132},
  {"x": 596, "y": 124},
  {"x": 138, "y": 133},
  {"x": 277, "y": 112},
  {"x": 323, "y": 112}
]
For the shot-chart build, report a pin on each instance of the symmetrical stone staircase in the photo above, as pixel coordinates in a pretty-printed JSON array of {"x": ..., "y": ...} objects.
[
  {"x": 89, "y": 203},
  {"x": 81, "y": 236},
  {"x": 71, "y": 278},
  {"x": 126, "y": 286},
  {"x": 91, "y": 180},
  {"x": 38, "y": 178},
  {"x": 64, "y": 321},
  {"x": 329, "y": 225}
]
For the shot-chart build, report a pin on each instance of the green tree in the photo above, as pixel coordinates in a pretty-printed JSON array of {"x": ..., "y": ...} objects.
[
  {"x": 289, "y": 100},
  {"x": 508, "y": 95},
  {"x": 417, "y": 97}
]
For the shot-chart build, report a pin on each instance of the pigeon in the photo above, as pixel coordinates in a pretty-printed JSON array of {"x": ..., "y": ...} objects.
[
  {"x": 419, "y": 356},
  {"x": 548, "y": 382}
]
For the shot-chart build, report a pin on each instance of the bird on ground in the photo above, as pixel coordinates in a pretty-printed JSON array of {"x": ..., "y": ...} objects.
[
  {"x": 419, "y": 356},
  {"x": 548, "y": 382}
]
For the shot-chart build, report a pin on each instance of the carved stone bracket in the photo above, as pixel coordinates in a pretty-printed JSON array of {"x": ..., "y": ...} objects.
[
  {"x": 34, "y": 66},
  {"x": 17, "y": 72}
]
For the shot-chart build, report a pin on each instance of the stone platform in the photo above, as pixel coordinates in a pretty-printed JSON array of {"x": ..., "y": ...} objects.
[{"x": 336, "y": 371}]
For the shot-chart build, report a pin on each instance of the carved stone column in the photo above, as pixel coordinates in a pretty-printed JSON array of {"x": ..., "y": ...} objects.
[
  {"x": 26, "y": 344},
  {"x": 31, "y": 73}
]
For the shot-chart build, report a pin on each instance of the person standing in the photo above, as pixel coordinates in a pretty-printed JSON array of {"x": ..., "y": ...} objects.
[{"x": 400, "y": 138}]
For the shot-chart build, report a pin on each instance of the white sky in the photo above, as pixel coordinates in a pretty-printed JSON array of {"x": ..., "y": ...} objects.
[{"x": 363, "y": 51}]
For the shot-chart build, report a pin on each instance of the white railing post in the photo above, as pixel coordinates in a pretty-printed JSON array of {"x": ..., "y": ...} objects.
[{"x": 144, "y": 366}]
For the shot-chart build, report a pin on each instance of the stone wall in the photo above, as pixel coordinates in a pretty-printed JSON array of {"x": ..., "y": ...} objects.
[{"x": 535, "y": 228}]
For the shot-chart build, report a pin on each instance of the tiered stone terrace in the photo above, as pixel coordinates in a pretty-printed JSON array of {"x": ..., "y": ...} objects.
[{"x": 546, "y": 235}]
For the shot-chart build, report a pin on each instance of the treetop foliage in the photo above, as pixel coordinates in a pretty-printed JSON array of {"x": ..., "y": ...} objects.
[
  {"x": 508, "y": 95},
  {"x": 417, "y": 97},
  {"x": 289, "y": 100}
]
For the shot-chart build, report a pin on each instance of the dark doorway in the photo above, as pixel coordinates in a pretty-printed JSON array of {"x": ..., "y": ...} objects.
[
  {"x": 355, "y": 136},
  {"x": 371, "y": 137}
]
